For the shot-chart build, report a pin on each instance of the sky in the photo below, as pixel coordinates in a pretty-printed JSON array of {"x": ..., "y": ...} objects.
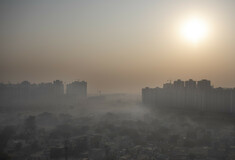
[{"x": 116, "y": 46}]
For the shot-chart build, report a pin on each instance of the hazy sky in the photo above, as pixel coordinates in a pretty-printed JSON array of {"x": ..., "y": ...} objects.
[{"x": 115, "y": 45}]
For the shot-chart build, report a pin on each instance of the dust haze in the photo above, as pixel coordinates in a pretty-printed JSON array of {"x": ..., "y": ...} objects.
[
  {"x": 117, "y": 80},
  {"x": 113, "y": 127}
]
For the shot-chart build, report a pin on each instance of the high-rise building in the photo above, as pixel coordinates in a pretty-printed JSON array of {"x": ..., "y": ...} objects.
[
  {"x": 204, "y": 84},
  {"x": 190, "y": 84},
  {"x": 58, "y": 87},
  {"x": 202, "y": 96},
  {"x": 178, "y": 84},
  {"x": 77, "y": 89},
  {"x": 167, "y": 85}
]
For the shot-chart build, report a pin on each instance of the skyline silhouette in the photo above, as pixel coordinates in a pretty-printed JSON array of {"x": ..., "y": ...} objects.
[
  {"x": 190, "y": 95},
  {"x": 117, "y": 46},
  {"x": 117, "y": 80}
]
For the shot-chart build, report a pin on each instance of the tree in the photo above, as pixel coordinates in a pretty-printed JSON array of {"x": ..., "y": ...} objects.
[
  {"x": 30, "y": 125},
  {"x": 4, "y": 156},
  {"x": 5, "y": 135}
]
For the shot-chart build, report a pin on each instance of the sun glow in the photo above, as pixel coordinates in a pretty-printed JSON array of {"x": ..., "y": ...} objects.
[{"x": 194, "y": 30}]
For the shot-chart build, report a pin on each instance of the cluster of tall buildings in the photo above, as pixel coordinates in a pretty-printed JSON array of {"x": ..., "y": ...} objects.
[
  {"x": 200, "y": 95},
  {"x": 43, "y": 93}
]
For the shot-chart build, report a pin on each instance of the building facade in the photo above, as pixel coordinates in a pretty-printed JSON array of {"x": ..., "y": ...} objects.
[
  {"x": 50, "y": 93},
  {"x": 199, "y": 95}
]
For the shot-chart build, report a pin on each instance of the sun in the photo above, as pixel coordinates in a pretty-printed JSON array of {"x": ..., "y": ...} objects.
[{"x": 194, "y": 30}]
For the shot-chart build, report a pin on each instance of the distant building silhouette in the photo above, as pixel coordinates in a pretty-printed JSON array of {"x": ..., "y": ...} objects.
[
  {"x": 167, "y": 85},
  {"x": 190, "y": 84},
  {"x": 191, "y": 94},
  {"x": 58, "y": 87},
  {"x": 178, "y": 84},
  {"x": 78, "y": 89},
  {"x": 26, "y": 93},
  {"x": 204, "y": 84}
]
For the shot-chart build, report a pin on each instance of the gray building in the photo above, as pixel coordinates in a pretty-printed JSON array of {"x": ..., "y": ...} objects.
[
  {"x": 77, "y": 89},
  {"x": 191, "y": 95}
]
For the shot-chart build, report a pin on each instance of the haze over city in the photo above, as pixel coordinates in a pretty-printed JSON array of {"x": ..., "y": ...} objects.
[
  {"x": 117, "y": 46},
  {"x": 117, "y": 80}
]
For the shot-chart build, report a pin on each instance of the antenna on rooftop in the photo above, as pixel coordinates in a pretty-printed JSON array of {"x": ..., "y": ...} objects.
[{"x": 169, "y": 80}]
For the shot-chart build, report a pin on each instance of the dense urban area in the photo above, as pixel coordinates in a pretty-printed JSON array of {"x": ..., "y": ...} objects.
[{"x": 107, "y": 127}]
